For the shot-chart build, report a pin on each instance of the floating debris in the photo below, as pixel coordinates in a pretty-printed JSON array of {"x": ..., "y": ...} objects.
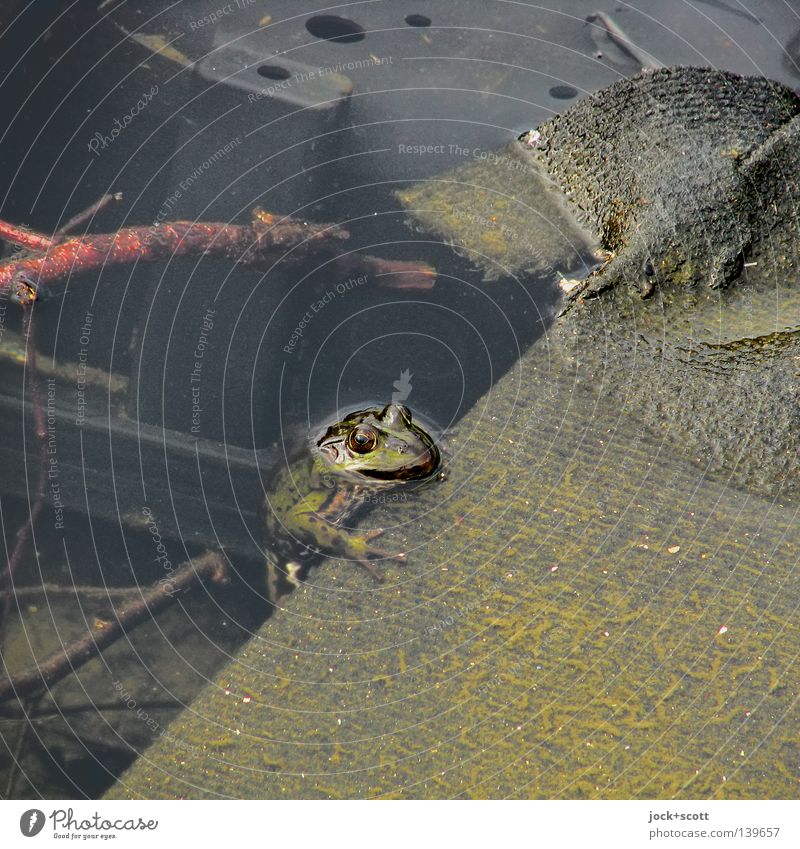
[{"x": 568, "y": 285}]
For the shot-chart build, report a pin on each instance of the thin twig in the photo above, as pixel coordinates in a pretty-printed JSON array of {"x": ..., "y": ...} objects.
[
  {"x": 209, "y": 567},
  {"x": 87, "y": 213},
  {"x": 23, "y": 736},
  {"x": 9, "y": 714},
  {"x": 75, "y": 589},
  {"x": 247, "y": 244}
]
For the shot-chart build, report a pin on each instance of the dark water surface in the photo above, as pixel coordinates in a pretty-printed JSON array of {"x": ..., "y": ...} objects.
[{"x": 591, "y": 607}]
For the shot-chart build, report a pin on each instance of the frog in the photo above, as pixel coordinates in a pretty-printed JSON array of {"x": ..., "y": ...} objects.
[{"x": 335, "y": 475}]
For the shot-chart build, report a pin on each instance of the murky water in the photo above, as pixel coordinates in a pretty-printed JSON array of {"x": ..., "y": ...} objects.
[{"x": 594, "y": 604}]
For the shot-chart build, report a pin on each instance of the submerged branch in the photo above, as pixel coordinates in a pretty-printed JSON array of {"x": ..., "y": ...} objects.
[
  {"x": 247, "y": 244},
  {"x": 260, "y": 244},
  {"x": 210, "y": 567}
]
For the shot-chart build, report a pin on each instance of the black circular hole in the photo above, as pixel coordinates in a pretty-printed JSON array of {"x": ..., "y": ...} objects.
[
  {"x": 273, "y": 72},
  {"x": 418, "y": 21},
  {"x": 563, "y": 92},
  {"x": 334, "y": 28}
]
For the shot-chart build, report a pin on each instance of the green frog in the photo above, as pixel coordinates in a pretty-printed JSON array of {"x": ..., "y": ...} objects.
[{"x": 311, "y": 497}]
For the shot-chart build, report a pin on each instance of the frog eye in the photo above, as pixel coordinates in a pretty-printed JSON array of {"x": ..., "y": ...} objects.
[{"x": 362, "y": 440}]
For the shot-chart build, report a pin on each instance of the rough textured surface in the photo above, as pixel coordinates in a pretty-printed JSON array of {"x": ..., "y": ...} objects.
[
  {"x": 667, "y": 169},
  {"x": 690, "y": 177},
  {"x": 714, "y": 375}
]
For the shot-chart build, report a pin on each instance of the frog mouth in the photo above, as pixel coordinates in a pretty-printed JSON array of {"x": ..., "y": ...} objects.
[{"x": 419, "y": 467}]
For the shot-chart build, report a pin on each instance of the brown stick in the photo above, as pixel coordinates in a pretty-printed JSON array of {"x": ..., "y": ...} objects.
[
  {"x": 55, "y": 711},
  {"x": 17, "y": 756},
  {"x": 389, "y": 273},
  {"x": 87, "y": 591},
  {"x": 208, "y": 567}
]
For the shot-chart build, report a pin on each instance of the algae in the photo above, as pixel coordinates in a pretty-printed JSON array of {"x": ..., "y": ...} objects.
[{"x": 503, "y": 213}]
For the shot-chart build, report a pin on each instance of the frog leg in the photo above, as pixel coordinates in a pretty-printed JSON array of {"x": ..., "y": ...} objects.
[
  {"x": 357, "y": 547},
  {"x": 332, "y": 539},
  {"x": 374, "y": 533}
]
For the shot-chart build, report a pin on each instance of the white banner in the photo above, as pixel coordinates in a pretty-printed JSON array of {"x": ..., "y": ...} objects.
[{"x": 384, "y": 825}]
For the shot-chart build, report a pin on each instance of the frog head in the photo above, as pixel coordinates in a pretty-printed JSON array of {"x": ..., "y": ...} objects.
[{"x": 379, "y": 445}]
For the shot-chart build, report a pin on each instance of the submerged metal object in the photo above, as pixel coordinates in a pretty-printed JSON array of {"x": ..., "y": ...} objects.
[{"x": 606, "y": 32}]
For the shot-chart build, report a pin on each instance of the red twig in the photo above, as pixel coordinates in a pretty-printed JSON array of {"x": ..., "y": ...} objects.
[
  {"x": 394, "y": 273},
  {"x": 248, "y": 244},
  {"x": 24, "y": 237},
  {"x": 87, "y": 213},
  {"x": 258, "y": 244}
]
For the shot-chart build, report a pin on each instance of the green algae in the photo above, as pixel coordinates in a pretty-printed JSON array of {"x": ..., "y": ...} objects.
[{"x": 525, "y": 230}]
